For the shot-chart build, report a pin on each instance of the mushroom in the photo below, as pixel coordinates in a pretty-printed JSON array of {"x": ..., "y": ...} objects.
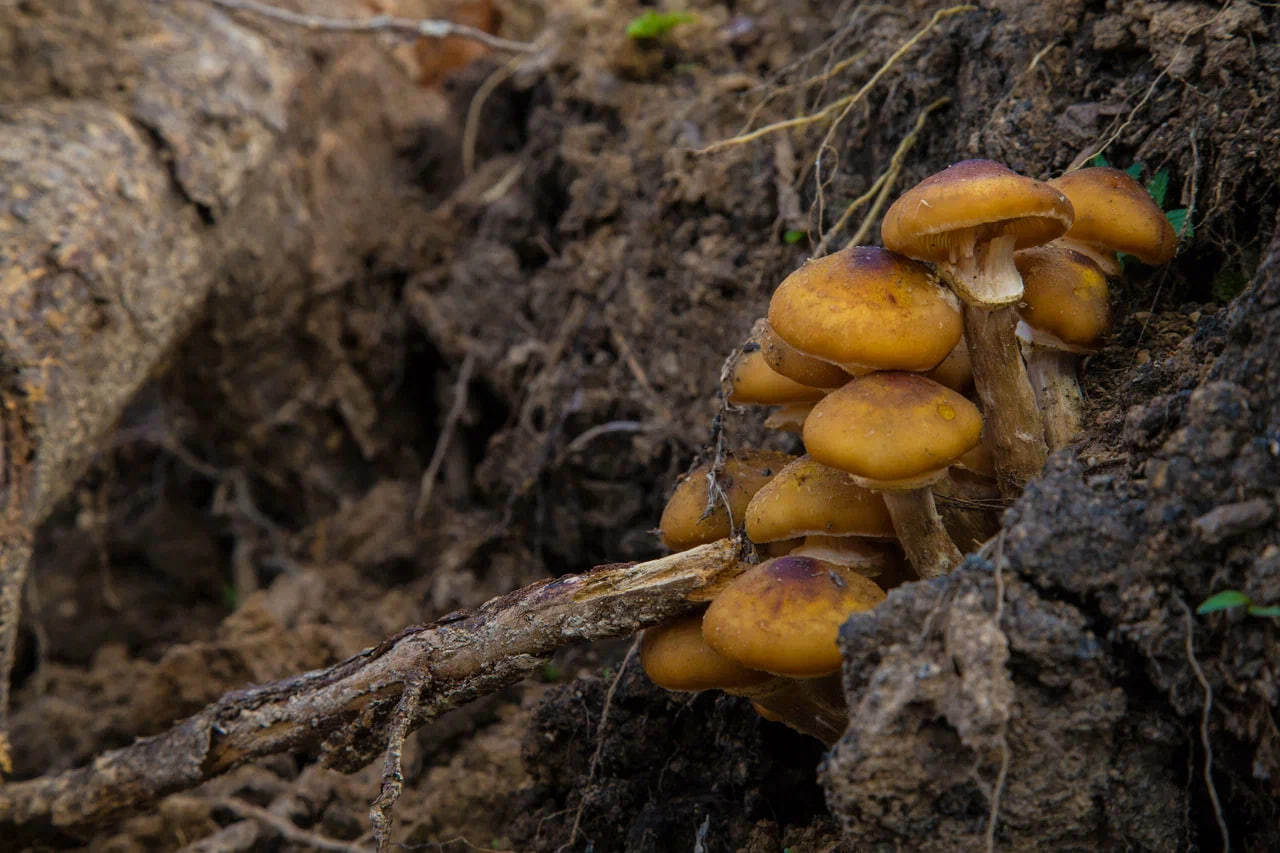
[
  {"x": 896, "y": 433},
  {"x": 783, "y": 616},
  {"x": 865, "y": 309},
  {"x": 956, "y": 370},
  {"x": 1114, "y": 213},
  {"x": 793, "y": 364},
  {"x": 685, "y": 521},
  {"x": 1065, "y": 314},
  {"x": 969, "y": 219},
  {"x": 676, "y": 657},
  {"x": 841, "y": 521},
  {"x": 753, "y": 381}
]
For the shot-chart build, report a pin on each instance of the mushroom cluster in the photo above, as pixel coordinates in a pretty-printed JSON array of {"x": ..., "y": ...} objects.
[{"x": 944, "y": 363}]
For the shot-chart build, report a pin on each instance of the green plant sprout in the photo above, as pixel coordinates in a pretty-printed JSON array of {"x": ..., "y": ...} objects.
[
  {"x": 794, "y": 235},
  {"x": 1229, "y": 599},
  {"x": 655, "y": 25}
]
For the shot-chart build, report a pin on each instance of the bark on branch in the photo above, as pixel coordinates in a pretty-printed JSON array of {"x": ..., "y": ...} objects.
[{"x": 464, "y": 655}]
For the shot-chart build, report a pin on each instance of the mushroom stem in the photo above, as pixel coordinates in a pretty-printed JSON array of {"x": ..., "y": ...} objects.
[
  {"x": 1053, "y": 379},
  {"x": 967, "y": 505},
  {"x": 1011, "y": 417},
  {"x": 811, "y": 706},
  {"x": 928, "y": 545}
]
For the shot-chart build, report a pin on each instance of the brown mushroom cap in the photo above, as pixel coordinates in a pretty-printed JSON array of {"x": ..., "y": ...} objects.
[
  {"x": 675, "y": 656},
  {"x": 973, "y": 201},
  {"x": 956, "y": 370},
  {"x": 783, "y": 615},
  {"x": 755, "y": 382},
  {"x": 789, "y": 418},
  {"x": 809, "y": 498},
  {"x": 1065, "y": 296},
  {"x": 741, "y": 476},
  {"x": 892, "y": 430},
  {"x": 863, "y": 307},
  {"x": 1116, "y": 213},
  {"x": 793, "y": 364}
]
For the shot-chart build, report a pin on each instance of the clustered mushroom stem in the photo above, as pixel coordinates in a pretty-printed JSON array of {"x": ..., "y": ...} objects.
[
  {"x": 928, "y": 545},
  {"x": 1011, "y": 418},
  {"x": 811, "y": 706},
  {"x": 1053, "y": 378}
]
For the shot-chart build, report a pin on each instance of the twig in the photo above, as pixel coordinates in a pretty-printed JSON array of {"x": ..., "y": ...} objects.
[
  {"x": 468, "y": 654},
  {"x": 376, "y": 24},
  {"x": 595, "y": 756},
  {"x": 287, "y": 829},
  {"x": 1204, "y": 726},
  {"x": 392, "y": 773},
  {"x": 843, "y": 105},
  {"x": 471, "y": 127},
  {"x": 428, "y": 483}
]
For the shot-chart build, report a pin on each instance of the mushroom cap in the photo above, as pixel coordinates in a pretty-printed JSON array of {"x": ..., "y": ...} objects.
[
  {"x": 864, "y": 307},
  {"x": 978, "y": 460},
  {"x": 741, "y": 476},
  {"x": 1065, "y": 295},
  {"x": 892, "y": 430},
  {"x": 755, "y": 382},
  {"x": 675, "y": 656},
  {"x": 789, "y": 418},
  {"x": 809, "y": 498},
  {"x": 973, "y": 201},
  {"x": 793, "y": 364},
  {"x": 956, "y": 370},
  {"x": 783, "y": 615},
  {"x": 1115, "y": 212}
]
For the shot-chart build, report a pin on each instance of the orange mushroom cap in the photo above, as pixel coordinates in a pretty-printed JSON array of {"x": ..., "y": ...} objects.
[
  {"x": 1115, "y": 213},
  {"x": 864, "y": 307},
  {"x": 1064, "y": 298},
  {"x": 675, "y": 656},
  {"x": 973, "y": 200},
  {"x": 892, "y": 430},
  {"x": 755, "y": 382},
  {"x": 783, "y": 615},
  {"x": 809, "y": 498},
  {"x": 741, "y": 476},
  {"x": 793, "y": 364}
]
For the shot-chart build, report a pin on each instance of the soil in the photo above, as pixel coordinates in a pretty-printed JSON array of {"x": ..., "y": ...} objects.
[{"x": 585, "y": 272}]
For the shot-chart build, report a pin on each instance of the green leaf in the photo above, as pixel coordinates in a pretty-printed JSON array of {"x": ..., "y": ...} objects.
[
  {"x": 653, "y": 25},
  {"x": 794, "y": 235},
  {"x": 229, "y": 596},
  {"x": 1134, "y": 171},
  {"x": 1097, "y": 160},
  {"x": 1180, "y": 219},
  {"x": 1273, "y": 611},
  {"x": 1158, "y": 186},
  {"x": 1224, "y": 600}
]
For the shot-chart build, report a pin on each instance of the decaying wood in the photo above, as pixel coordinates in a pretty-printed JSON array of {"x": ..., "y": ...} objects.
[
  {"x": 458, "y": 658},
  {"x": 108, "y": 212}
]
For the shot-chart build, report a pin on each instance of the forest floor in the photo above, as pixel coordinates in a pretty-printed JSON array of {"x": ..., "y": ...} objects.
[{"x": 533, "y": 268}]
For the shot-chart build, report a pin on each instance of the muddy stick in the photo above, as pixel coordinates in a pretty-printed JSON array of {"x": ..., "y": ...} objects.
[{"x": 462, "y": 656}]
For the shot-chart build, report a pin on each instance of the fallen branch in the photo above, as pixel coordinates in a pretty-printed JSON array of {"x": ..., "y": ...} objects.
[{"x": 465, "y": 655}]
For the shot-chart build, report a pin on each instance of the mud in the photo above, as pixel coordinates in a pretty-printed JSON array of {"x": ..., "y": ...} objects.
[{"x": 257, "y": 511}]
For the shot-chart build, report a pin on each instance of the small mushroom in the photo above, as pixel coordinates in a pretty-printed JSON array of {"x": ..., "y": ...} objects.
[
  {"x": 897, "y": 433},
  {"x": 793, "y": 364},
  {"x": 783, "y": 615},
  {"x": 1065, "y": 314},
  {"x": 1114, "y": 213},
  {"x": 841, "y": 521},
  {"x": 676, "y": 657},
  {"x": 969, "y": 219},
  {"x": 754, "y": 382},
  {"x": 685, "y": 521},
  {"x": 865, "y": 309}
]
